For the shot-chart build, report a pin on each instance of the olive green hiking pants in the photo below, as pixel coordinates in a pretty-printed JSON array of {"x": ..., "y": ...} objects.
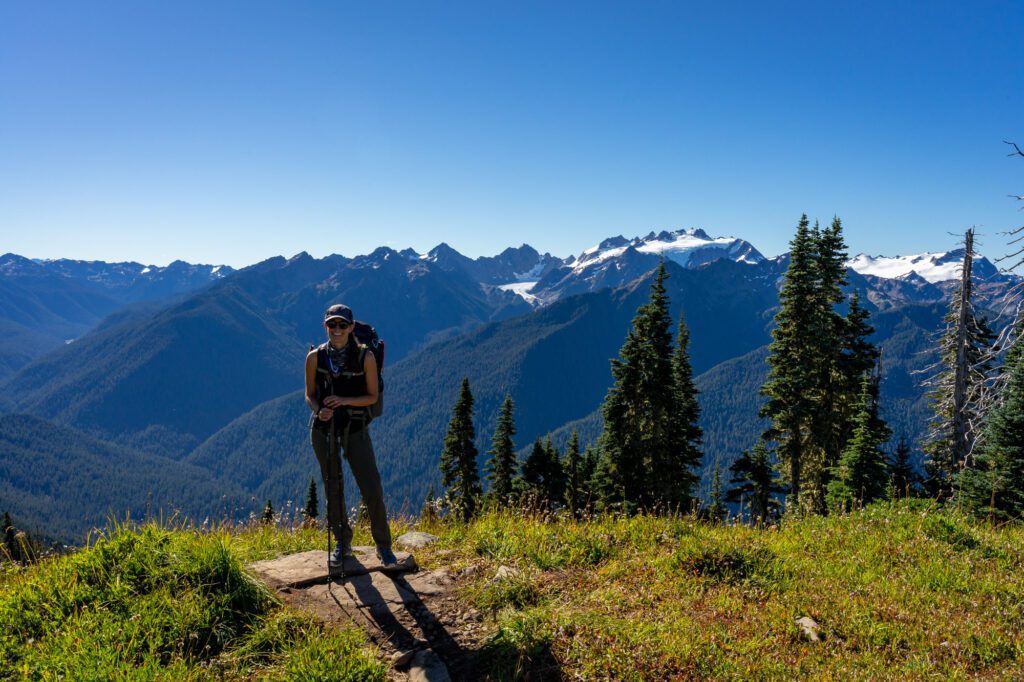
[{"x": 359, "y": 453}]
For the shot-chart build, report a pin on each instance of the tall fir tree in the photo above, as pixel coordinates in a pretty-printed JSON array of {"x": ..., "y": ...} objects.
[
  {"x": 312, "y": 509},
  {"x": 862, "y": 474},
  {"x": 755, "y": 483},
  {"x": 844, "y": 354},
  {"x": 903, "y": 479},
  {"x": 502, "y": 463},
  {"x": 994, "y": 486},
  {"x": 638, "y": 419},
  {"x": 676, "y": 477},
  {"x": 458, "y": 459},
  {"x": 817, "y": 358},
  {"x": 268, "y": 513},
  {"x": 573, "y": 471},
  {"x": 790, "y": 388}
]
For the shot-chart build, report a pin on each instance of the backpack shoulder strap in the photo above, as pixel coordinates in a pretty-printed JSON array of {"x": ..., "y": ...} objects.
[{"x": 321, "y": 359}]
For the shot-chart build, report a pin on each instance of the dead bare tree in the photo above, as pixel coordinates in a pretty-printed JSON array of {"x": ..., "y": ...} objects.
[{"x": 959, "y": 383}]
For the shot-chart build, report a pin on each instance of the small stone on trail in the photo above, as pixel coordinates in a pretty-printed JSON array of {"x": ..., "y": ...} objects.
[
  {"x": 469, "y": 571},
  {"x": 401, "y": 659},
  {"x": 427, "y": 667},
  {"x": 416, "y": 540},
  {"x": 810, "y": 629}
]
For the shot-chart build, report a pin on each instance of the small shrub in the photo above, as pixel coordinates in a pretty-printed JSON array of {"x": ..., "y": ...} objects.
[
  {"x": 521, "y": 649},
  {"x": 730, "y": 565},
  {"x": 516, "y": 592},
  {"x": 943, "y": 529}
]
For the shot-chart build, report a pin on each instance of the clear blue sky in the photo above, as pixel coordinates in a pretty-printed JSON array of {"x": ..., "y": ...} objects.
[{"x": 229, "y": 132}]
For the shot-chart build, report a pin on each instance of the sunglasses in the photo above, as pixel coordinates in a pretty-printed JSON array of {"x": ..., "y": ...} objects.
[{"x": 338, "y": 324}]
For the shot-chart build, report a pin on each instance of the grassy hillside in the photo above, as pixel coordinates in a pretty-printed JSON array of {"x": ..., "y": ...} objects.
[{"x": 898, "y": 590}]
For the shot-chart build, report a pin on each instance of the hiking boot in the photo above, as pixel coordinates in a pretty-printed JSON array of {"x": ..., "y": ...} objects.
[
  {"x": 340, "y": 553},
  {"x": 388, "y": 560}
]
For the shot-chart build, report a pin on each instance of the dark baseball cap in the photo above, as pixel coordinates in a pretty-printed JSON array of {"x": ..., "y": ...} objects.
[{"x": 339, "y": 310}]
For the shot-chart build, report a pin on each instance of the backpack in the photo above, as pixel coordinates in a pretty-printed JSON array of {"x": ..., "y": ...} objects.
[
  {"x": 367, "y": 339},
  {"x": 366, "y": 336}
]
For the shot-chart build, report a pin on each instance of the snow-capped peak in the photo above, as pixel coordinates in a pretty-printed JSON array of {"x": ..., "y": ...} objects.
[{"x": 689, "y": 248}]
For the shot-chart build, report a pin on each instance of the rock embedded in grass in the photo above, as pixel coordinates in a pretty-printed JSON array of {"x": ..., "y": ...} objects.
[
  {"x": 810, "y": 629},
  {"x": 416, "y": 540}
]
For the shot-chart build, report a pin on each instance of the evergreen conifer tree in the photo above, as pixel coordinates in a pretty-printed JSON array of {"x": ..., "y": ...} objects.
[
  {"x": 817, "y": 358},
  {"x": 572, "y": 474},
  {"x": 790, "y": 388},
  {"x": 588, "y": 478},
  {"x": 554, "y": 473},
  {"x": 638, "y": 419},
  {"x": 268, "y": 513},
  {"x": 717, "y": 510},
  {"x": 844, "y": 355},
  {"x": 755, "y": 482},
  {"x": 903, "y": 479},
  {"x": 677, "y": 475},
  {"x": 458, "y": 459},
  {"x": 502, "y": 463},
  {"x": 853, "y": 356},
  {"x": 862, "y": 474},
  {"x": 543, "y": 479},
  {"x": 530, "y": 483},
  {"x": 312, "y": 509}
]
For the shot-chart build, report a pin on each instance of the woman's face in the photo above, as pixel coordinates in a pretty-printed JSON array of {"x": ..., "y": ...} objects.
[{"x": 337, "y": 329}]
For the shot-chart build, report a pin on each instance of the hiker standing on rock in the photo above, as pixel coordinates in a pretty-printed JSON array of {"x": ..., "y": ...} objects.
[{"x": 341, "y": 385}]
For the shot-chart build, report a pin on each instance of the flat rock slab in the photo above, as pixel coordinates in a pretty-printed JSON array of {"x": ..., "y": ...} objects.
[
  {"x": 430, "y": 583},
  {"x": 369, "y": 590},
  {"x": 310, "y": 568}
]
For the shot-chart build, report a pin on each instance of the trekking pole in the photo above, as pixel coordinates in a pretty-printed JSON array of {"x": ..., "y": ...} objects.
[{"x": 331, "y": 452}]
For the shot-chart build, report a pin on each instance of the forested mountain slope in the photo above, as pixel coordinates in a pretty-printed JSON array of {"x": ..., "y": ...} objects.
[{"x": 64, "y": 482}]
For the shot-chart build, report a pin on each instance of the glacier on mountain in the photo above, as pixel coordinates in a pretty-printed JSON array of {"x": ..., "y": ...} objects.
[{"x": 932, "y": 267}]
